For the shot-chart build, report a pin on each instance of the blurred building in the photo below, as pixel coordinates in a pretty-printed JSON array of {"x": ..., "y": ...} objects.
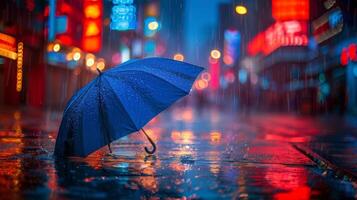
[
  {"x": 239, "y": 22},
  {"x": 333, "y": 67},
  {"x": 296, "y": 58},
  {"x": 74, "y": 39},
  {"x": 22, "y": 69}
]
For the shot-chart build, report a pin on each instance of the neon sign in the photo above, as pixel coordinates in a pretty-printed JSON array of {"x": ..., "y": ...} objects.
[
  {"x": 290, "y": 10},
  {"x": 92, "y": 29},
  {"x": 8, "y": 46},
  {"x": 287, "y": 33},
  {"x": 231, "y": 46},
  {"x": 19, "y": 73},
  {"x": 328, "y": 25},
  {"x": 123, "y": 15}
]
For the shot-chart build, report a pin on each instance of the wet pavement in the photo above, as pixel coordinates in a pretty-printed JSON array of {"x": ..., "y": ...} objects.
[{"x": 211, "y": 154}]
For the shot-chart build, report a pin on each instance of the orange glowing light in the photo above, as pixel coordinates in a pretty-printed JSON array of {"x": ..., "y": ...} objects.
[
  {"x": 90, "y": 60},
  {"x": 187, "y": 136},
  {"x": 92, "y": 29},
  {"x": 228, "y": 60},
  {"x": 92, "y": 11},
  {"x": 69, "y": 56},
  {"x": 201, "y": 84},
  {"x": 76, "y": 56},
  {"x": 184, "y": 137},
  {"x": 56, "y": 47},
  {"x": 179, "y": 57},
  {"x": 20, "y": 48},
  {"x": 101, "y": 64},
  {"x": 92, "y": 44},
  {"x": 8, "y": 46},
  {"x": 215, "y": 136}
]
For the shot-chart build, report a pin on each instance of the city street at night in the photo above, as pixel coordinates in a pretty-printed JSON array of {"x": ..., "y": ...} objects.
[
  {"x": 218, "y": 155},
  {"x": 178, "y": 99}
]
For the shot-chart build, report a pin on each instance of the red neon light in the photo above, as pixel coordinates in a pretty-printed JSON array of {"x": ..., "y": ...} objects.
[
  {"x": 352, "y": 50},
  {"x": 288, "y": 33},
  {"x": 257, "y": 44},
  {"x": 283, "y": 10},
  {"x": 348, "y": 54},
  {"x": 344, "y": 57},
  {"x": 92, "y": 29},
  {"x": 215, "y": 73}
]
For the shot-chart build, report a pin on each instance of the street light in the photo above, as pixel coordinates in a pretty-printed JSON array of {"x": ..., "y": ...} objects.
[
  {"x": 216, "y": 54},
  {"x": 241, "y": 10}
]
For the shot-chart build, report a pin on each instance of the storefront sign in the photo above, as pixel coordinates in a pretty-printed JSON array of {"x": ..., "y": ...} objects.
[
  {"x": 288, "y": 33},
  {"x": 123, "y": 15},
  {"x": 328, "y": 25},
  {"x": 8, "y": 46}
]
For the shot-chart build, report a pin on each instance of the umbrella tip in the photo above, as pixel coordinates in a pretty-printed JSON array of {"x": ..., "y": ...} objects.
[{"x": 100, "y": 72}]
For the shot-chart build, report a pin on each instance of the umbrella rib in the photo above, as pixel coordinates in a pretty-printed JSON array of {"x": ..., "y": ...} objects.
[
  {"x": 101, "y": 111},
  {"x": 79, "y": 97},
  {"x": 154, "y": 76},
  {"x": 119, "y": 100}
]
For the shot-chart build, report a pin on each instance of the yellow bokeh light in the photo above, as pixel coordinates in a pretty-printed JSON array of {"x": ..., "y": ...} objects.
[
  {"x": 179, "y": 57},
  {"x": 56, "y": 47},
  {"x": 76, "y": 56},
  {"x": 101, "y": 64},
  {"x": 241, "y": 10},
  {"x": 215, "y": 54},
  {"x": 153, "y": 25},
  {"x": 69, "y": 56},
  {"x": 90, "y": 60},
  {"x": 92, "y": 11}
]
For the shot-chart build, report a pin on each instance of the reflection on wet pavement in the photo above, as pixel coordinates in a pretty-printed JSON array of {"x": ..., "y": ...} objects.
[{"x": 200, "y": 155}]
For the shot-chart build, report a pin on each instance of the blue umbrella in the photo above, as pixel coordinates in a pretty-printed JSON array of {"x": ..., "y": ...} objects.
[{"x": 121, "y": 101}]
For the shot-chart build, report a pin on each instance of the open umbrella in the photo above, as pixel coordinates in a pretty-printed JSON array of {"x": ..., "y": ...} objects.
[{"x": 121, "y": 101}]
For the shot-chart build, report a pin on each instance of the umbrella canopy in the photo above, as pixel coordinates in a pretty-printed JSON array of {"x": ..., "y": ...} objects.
[{"x": 121, "y": 101}]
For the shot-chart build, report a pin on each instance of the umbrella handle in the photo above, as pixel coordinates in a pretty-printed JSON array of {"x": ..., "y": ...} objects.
[{"x": 152, "y": 143}]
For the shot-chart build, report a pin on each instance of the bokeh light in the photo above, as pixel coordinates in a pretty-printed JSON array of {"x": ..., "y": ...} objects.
[
  {"x": 216, "y": 54},
  {"x": 153, "y": 25},
  {"x": 241, "y": 10},
  {"x": 179, "y": 57},
  {"x": 56, "y": 47}
]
